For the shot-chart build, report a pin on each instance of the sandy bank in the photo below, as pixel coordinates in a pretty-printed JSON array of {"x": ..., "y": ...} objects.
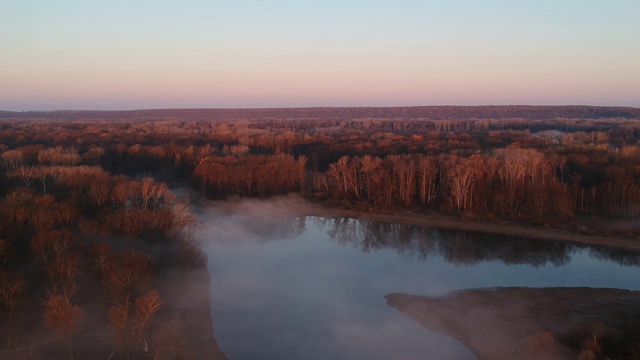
[{"x": 528, "y": 323}]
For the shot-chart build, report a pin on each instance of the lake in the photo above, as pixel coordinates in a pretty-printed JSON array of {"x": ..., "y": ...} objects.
[{"x": 285, "y": 287}]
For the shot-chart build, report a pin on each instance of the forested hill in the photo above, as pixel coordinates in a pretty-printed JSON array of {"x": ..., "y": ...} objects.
[{"x": 417, "y": 112}]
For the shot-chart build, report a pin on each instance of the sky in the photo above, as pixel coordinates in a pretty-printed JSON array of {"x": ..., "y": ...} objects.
[{"x": 118, "y": 55}]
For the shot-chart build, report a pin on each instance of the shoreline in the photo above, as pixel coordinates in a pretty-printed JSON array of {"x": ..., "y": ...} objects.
[
  {"x": 454, "y": 223},
  {"x": 506, "y": 323},
  {"x": 295, "y": 205}
]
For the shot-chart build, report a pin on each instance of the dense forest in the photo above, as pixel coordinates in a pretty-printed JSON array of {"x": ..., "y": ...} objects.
[
  {"x": 84, "y": 257},
  {"x": 83, "y": 235},
  {"x": 87, "y": 210},
  {"x": 547, "y": 171}
]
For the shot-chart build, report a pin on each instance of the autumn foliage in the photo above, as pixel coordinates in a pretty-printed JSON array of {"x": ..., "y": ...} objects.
[{"x": 72, "y": 233}]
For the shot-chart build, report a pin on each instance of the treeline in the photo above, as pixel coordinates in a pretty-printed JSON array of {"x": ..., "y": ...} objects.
[
  {"x": 509, "y": 183},
  {"x": 546, "y": 171},
  {"x": 83, "y": 249},
  {"x": 409, "y": 112},
  {"x": 251, "y": 175}
]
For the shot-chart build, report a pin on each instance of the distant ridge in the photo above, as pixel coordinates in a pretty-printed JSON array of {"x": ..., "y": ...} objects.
[{"x": 414, "y": 112}]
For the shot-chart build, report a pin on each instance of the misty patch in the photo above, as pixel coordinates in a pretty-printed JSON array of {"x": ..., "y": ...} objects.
[{"x": 241, "y": 220}]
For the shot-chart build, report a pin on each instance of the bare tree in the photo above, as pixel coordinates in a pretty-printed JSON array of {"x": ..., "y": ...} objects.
[
  {"x": 12, "y": 288},
  {"x": 127, "y": 276},
  {"x": 120, "y": 324},
  {"x": 341, "y": 174},
  {"x": 512, "y": 173},
  {"x": 146, "y": 306},
  {"x": 427, "y": 171},
  {"x": 63, "y": 316},
  {"x": 24, "y": 173},
  {"x": 98, "y": 193},
  {"x": 301, "y": 164},
  {"x": 403, "y": 180},
  {"x": 369, "y": 166},
  {"x": 461, "y": 178},
  {"x": 12, "y": 159}
]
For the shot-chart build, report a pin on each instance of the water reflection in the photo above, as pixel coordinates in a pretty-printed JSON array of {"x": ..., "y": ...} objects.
[
  {"x": 622, "y": 257},
  {"x": 287, "y": 287},
  {"x": 463, "y": 247}
]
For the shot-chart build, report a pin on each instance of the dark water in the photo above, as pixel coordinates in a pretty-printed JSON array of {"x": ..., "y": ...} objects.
[{"x": 313, "y": 288}]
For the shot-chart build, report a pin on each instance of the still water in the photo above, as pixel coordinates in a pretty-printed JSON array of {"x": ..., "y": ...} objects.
[{"x": 313, "y": 288}]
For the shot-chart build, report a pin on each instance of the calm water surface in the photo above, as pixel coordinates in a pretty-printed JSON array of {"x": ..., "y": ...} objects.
[{"x": 313, "y": 288}]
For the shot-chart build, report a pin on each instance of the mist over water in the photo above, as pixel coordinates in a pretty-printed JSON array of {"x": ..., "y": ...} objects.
[
  {"x": 288, "y": 287},
  {"x": 241, "y": 221}
]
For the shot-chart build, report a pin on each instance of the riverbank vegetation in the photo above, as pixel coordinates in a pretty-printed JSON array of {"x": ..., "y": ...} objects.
[{"x": 83, "y": 253}]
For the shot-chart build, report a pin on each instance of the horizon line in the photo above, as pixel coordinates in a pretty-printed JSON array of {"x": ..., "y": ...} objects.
[{"x": 323, "y": 107}]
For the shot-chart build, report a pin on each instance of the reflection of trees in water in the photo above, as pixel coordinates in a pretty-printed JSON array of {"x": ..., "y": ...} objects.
[
  {"x": 462, "y": 247},
  {"x": 372, "y": 236},
  {"x": 622, "y": 257},
  {"x": 269, "y": 228},
  {"x": 467, "y": 248}
]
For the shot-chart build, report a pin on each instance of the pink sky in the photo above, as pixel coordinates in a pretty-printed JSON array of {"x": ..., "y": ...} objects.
[{"x": 247, "y": 54}]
